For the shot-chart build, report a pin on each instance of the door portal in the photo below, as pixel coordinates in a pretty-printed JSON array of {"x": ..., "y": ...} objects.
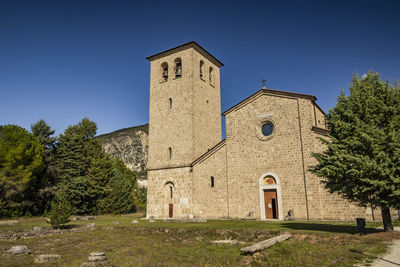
[
  {"x": 271, "y": 204},
  {"x": 171, "y": 211}
]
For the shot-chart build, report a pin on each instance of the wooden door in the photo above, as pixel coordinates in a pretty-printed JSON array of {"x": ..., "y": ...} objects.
[
  {"x": 271, "y": 204},
  {"x": 171, "y": 211}
]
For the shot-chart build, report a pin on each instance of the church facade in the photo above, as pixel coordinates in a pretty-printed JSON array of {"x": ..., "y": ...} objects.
[{"x": 259, "y": 171}]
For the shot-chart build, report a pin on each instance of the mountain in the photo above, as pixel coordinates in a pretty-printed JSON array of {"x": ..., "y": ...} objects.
[{"x": 131, "y": 146}]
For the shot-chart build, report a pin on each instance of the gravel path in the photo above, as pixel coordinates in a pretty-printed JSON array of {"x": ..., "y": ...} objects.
[{"x": 391, "y": 259}]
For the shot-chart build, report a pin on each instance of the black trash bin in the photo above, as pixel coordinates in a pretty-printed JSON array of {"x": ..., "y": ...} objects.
[{"x": 361, "y": 226}]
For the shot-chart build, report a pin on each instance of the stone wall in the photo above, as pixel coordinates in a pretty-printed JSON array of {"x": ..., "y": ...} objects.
[
  {"x": 159, "y": 198},
  {"x": 208, "y": 201}
]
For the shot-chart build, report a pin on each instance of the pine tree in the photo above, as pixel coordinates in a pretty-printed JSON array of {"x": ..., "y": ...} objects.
[
  {"x": 60, "y": 210},
  {"x": 20, "y": 164},
  {"x": 43, "y": 133},
  {"x": 119, "y": 198},
  {"x": 46, "y": 183},
  {"x": 362, "y": 160},
  {"x": 82, "y": 168}
]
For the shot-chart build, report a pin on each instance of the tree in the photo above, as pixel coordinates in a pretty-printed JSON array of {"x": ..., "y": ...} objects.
[
  {"x": 362, "y": 160},
  {"x": 46, "y": 183},
  {"x": 60, "y": 210},
  {"x": 20, "y": 164},
  {"x": 82, "y": 168},
  {"x": 120, "y": 190},
  {"x": 119, "y": 198},
  {"x": 43, "y": 133}
]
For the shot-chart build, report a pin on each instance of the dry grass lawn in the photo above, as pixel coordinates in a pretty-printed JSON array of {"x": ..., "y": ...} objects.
[{"x": 189, "y": 244}]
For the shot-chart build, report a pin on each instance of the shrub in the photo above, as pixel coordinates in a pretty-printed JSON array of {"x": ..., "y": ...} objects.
[{"x": 60, "y": 210}]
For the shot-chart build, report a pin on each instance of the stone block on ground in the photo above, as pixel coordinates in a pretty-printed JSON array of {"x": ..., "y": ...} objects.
[
  {"x": 195, "y": 220},
  {"x": 116, "y": 223},
  {"x": 45, "y": 258},
  {"x": 265, "y": 244},
  {"x": 230, "y": 242},
  {"x": 135, "y": 221},
  {"x": 9, "y": 222},
  {"x": 38, "y": 229},
  {"x": 18, "y": 250},
  {"x": 96, "y": 259},
  {"x": 91, "y": 226}
]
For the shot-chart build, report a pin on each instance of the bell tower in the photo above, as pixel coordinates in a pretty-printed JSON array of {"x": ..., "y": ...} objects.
[{"x": 185, "y": 106}]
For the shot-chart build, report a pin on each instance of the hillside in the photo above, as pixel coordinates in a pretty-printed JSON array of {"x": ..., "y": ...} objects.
[{"x": 130, "y": 145}]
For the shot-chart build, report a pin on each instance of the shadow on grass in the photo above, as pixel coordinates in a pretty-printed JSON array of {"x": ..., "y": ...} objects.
[{"x": 329, "y": 227}]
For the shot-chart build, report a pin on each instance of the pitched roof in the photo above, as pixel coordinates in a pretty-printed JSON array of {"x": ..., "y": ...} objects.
[
  {"x": 272, "y": 92},
  {"x": 192, "y": 44},
  {"x": 208, "y": 153}
]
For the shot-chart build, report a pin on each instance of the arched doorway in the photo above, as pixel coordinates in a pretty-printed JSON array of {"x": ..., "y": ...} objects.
[
  {"x": 270, "y": 197},
  {"x": 169, "y": 191}
]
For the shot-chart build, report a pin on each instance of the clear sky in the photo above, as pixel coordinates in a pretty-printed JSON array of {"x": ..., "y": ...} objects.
[{"x": 64, "y": 60}]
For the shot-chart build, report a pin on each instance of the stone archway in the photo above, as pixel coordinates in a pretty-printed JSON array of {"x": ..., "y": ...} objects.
[
  {"x": 270, "y": 182},
  {"x": 168, "y": 205}
]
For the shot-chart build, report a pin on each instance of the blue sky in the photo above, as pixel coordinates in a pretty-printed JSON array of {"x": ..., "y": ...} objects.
[{"x": 64, "y": 60}]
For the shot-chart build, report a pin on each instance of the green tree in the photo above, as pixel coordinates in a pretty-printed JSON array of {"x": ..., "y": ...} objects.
[
  {"x": 362, "y": 160},
  {"x": 81, "y": 166},
  {"x": 43, "y": 133},
  {"x": 60, "y": 210},
  {"x": 119, "y": 198},
  {"x": 20, "y": 164},
  {"x": 46, "y": 182}
]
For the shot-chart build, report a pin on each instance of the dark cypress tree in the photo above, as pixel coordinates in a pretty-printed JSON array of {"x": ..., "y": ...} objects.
[{"x": 362, "y": 160}]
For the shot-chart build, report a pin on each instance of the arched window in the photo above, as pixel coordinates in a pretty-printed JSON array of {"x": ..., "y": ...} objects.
[
  {"x": 178, "y": 67},
  {"x": 201, "y": 69},
  {"x": 170, "y": 103},
  {"x": 211, "y": 76},
  {"x": 164, "y": 71},
  {"x": 170, "y": 153},
  {"x": 212, "y": 181},
  {"x": 169, "y": 189}
]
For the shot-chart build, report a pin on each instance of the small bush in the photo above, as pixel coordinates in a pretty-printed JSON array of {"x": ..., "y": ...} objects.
[{"x": 60, "y": 210}]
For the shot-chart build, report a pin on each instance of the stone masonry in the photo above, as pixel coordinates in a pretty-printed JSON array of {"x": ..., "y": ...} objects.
[{"x": 193, "y": 172}]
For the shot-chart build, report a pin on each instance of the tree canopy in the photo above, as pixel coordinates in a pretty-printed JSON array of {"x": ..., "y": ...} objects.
[
  {"x": 36, "y": 168},
  {"x": 20, "y": 164},
  {"x": 362, "y": 160}
]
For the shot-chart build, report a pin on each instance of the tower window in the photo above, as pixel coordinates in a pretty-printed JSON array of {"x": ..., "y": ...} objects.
[
  {"x": 211, "y": 76},
  {"x": 170, "y": 103},
  {"x": 170, "y": 153},
  {"x": 201, "y": 69},
  {"x": 178, "y": 67},
  {"x": 164, "y": 71},
  {"x": 212, "y": 181},
  {"x": 171, "y": 191}
]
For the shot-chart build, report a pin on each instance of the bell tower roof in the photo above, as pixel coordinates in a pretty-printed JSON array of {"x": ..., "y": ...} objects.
[{"x": 193, "y": 45}]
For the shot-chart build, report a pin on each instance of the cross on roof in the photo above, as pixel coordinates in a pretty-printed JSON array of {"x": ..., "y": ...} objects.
[{"x": 263, "y": 82}]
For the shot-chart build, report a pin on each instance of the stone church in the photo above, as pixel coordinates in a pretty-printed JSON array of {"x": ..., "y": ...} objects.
[{"x": 259, "y": 171}]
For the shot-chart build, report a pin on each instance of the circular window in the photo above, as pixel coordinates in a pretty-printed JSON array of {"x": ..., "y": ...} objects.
[{"x": 267, "y": 129}]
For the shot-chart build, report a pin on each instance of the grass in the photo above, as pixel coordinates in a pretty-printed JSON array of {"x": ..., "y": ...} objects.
[{"x": 188, "y": 244}]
